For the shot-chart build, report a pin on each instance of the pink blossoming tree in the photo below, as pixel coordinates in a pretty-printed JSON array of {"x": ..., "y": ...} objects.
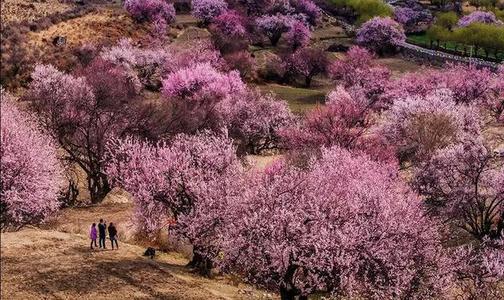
[
  {"x": 151, "y": 11},
  {"x": 478, "y": 17},
  {"x": 339, "y": 227},
  {"x": 298, "y": 35},
  {"x": 207, "y": 10},
  {"x": 31, "y": 176},
  {"x": 421, "y": 125},
  {"x": 309, "y": 9},
  {"x": 358, "y": 71},
  {"x": 380, "y": 34},
  {"x": 463, "y": 182},
  {"x": 413, "y": 19},
  {"x": 274, "y": 26},
  {"x": 83, "y": 112},
  {"x": 344, "y": 121},
  {"x": 171, "y": 180},
  {"x": 201, "y": 97},
  {"x": 307, "y": 63}
]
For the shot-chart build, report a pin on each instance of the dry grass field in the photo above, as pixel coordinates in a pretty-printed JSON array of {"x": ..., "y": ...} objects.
[
  {"x": 55, "y": 262},
  {"x": 22, "y": 10}
]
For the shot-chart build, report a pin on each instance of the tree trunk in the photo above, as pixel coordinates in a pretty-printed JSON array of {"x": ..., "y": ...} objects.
[
  {"x": 70, "y": 195},
  {"x": 200, "y": 263},
  {"x": 274, "y": 39},
  {"x": 287, "y": 289},
  {"x": 287, "y": 293},
  {"x": 308, "y": 81},
  {"x": 98, "y": 187}
]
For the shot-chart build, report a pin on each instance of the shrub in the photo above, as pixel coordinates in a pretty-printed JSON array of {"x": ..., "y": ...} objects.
[
  {"x": 447, "y": 20},
  {"x": 366, "y": 9}
]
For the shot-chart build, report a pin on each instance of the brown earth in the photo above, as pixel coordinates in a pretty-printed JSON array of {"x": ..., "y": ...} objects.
[{"x": 55, "y": 262}]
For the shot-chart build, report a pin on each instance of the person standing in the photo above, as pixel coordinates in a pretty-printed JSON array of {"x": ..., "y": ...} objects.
[
  {"x": 102, "y": 233},
  {"x": 113, "y": 235},
  {"x": 93, "y": 235}
]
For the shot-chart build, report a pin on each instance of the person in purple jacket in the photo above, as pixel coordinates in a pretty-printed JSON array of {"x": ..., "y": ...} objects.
[{"x": 93, "y": 235}]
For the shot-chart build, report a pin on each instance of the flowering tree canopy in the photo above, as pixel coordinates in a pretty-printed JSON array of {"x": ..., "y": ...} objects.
[
  {"x": 413, "y": 19},
  {"x": 195, "y": 93},
  {"x": 31, "y": 175},
  {"x": 480, "y": 270},
  {"x": 421, "y": 125},
  {"x": 274, "y": 26},
  {"x": 478, "y": 17},
  {"x": 230, "y": 23},
  {"x": 337, "y": 226},
  {"x": 309, "y": 9},
  {"x": 298, "y": 35},
  {"x": 173, "y": 180},
  {"x": 308, "y": 63},
  {"x": 465, "y": 184},
  {"x": 83, "y": 112},
  {"x": 343, "y": 121},
  {"x": 358, "y": 71},
  {"x": 467, "y": 84},
  {"x": 151, "y": 10},
  {"x": 380, "y": 34},
  {"x": 207, "y": 10}
]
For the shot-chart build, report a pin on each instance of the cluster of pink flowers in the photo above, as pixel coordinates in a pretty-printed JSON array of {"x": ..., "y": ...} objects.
[
  {"x": 168, "y": 179},
  {"x": 358, "y": 71}
]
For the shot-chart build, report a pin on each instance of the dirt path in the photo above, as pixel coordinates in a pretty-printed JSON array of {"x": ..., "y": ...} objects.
[{"x": 48, "y": 264}]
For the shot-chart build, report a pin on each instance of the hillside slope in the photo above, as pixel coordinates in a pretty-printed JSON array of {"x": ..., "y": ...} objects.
[{"x": 50, "y": 264}]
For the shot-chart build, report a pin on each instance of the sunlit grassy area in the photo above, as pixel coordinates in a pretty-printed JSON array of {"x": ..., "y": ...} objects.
[{"x": 299, "y": 99}]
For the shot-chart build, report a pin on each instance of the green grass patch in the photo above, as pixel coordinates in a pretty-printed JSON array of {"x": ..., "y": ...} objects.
[
  {"x": 300, "y": 100},
  {"x": 424, "y": 41}
]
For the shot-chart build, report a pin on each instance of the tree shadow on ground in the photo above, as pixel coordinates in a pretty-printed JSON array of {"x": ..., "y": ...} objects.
[{"x": 109, "y": 277}]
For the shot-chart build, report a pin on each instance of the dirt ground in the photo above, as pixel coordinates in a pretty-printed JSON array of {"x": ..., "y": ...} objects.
[{"x": 44, "y": 263}]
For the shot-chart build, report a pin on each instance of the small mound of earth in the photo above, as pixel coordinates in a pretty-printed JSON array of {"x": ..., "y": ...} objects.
[{"x": 117, "y": 195}]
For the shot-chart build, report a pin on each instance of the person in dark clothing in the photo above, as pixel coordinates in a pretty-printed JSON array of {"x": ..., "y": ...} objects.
[
  {"x": 102, "y": 233},
  {"x": 113, "y": 235}
]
